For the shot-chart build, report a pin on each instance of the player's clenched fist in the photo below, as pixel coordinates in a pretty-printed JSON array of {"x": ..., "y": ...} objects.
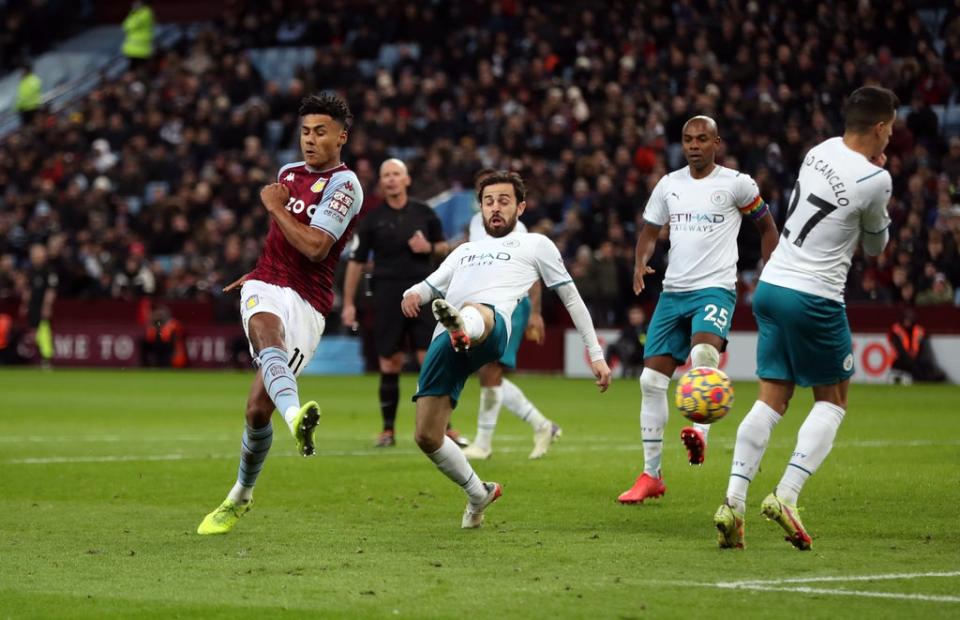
[
  {"x": 410, "y": 306},
  {"x": 602, "y": 372},
  {"x": 274, "y": 196}
]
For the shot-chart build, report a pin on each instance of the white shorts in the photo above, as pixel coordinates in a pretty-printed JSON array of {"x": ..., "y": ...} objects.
[{"x": 302, "y": 324}]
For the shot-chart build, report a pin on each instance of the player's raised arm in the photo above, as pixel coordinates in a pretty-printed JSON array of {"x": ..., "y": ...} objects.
[
  {"x": 340, "y": 203},
  {"x": 875, "y": 222},
  {"x": 435, "y": 285},
  {"x": 555, "y": 276}
]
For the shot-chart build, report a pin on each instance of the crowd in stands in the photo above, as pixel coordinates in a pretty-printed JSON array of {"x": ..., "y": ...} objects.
[
  {"x": 31, "y": 27},
  {"x": 149, "y": 186}
]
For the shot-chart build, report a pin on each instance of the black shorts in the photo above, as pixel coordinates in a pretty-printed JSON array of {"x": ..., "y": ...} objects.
[{"x": 394, "y": 332}]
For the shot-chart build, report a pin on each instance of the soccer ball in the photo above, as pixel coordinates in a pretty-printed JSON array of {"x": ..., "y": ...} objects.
[{"x": 704, "y": 395}]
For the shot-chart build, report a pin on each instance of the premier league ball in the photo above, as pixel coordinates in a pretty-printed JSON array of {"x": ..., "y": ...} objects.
[{"x": 704, "y": 395}]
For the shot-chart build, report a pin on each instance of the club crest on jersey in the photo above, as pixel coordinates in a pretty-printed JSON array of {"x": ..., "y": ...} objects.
[
  {"x": 318, "y": 186},
  {"x": 289, "y": 177},
  {"x": 718, "y": 197},
  {"x": 252, "y": 302}
]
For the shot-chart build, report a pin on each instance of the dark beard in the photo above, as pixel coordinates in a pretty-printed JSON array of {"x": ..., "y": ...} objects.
[{"x": 503, "y": 232}]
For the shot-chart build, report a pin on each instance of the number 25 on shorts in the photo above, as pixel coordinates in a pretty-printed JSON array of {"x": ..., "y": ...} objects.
[{"x": 715, "y": 315}]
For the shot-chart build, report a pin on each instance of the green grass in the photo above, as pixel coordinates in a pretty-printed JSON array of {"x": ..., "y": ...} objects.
[{"x": 107, "y": 474}]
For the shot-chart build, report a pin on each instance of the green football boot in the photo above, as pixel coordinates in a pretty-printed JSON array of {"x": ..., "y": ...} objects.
[
  {"x": 222, "y": 520},
  {"x": 305, "y": 426},
  {"x": 788, "y": 518}
]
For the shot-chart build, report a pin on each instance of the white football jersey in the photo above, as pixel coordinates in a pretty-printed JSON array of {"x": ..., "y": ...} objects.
[
  {"x": 478, "y": 232},
  {"x": 838, "y": 194},
  {"x": 498, "y": 271},
  {"x": 704, "y": 217}
]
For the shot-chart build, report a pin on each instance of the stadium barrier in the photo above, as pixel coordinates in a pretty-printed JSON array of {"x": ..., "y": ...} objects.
[
  {"x": 108, "y": 333},
  {"x": 105, "y": 345},
  {"x": 872, "y": 356}
]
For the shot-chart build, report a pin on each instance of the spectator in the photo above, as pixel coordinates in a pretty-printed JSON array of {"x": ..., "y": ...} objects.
[
  {"x": 29, "y": 93},
  {"x": 38, "y": 302},
  {"x": 9, "y": 339},
  {"x": 138, "y": 31},
  {"x": 585, "y": 118},
  {"x": 913, "y": 355},
  {"x": 163, "y": 344},
  {"x": 628, "y": 348},
  {"x": 940, "y": 292}
]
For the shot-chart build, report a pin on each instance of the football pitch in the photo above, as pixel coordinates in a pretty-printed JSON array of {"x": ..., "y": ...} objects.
[{"x": 107, "y": 474}]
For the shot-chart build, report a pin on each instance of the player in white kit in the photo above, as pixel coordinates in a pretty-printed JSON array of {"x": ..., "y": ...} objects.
[
  {"x": 497, "y": 390},
  {"x": 703, "y": 204},
  {"x": 840, "y": 198},
  {"x": 474, "y": 293}
]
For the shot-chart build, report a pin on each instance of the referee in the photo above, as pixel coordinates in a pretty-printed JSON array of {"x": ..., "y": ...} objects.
[{"x": 404, "y": 236}]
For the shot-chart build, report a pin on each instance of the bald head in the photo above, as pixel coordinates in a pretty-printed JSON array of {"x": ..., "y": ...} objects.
[
  {"x": 705, "y": 124},
  {"x": 700, "y": 141},
  {"x": 393, "y": 163},
  {"x": 394, "y": 181}
]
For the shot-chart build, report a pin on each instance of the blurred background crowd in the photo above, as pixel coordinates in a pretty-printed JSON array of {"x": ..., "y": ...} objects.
[{"x": 149, "y": 186}]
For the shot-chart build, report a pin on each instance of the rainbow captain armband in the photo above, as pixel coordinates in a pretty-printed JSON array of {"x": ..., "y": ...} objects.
[{"x": 755, "y": 209}]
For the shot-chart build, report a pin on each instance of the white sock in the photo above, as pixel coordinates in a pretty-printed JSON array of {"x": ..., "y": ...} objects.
[
  {"x": 813, "y": 445},
  {"x": 450, "y": 460},
  {"x": 490, "y": 400},
  {"x": 240, "y": 493},
  {"x": 653, "y": 417},
  {"x": 518, "y": 404},
  {"x": 704, "y": 356},
  {"x": 472, "y": 322},
  {"x": 704, "y": 430},
  {"x": 290, "y": 415},
  {"x": 753, "y": 434}
]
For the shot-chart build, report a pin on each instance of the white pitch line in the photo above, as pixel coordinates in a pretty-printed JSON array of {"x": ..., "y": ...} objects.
[
  {"x": 883, "y": 577},
  {"x": 52, "y": 460},
  {"x": 566, "y": 447},
  {"x": 779, "y": 585},
  {"x": 864, "y": 593},
  {"x": 606, "y": 442}
]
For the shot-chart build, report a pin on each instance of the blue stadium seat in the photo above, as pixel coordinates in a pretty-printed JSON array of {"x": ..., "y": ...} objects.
[{"x": 950, "y": 125}]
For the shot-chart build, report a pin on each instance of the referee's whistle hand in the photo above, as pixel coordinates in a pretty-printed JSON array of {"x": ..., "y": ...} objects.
[
  {"x": 419, "y": 244},
  {"x": 410, "y": 305}
]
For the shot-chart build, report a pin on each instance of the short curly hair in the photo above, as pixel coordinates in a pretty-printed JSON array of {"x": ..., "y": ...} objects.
[
  {"x": 503, "y": 176},
  {"x": 330, "y": 104}
]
